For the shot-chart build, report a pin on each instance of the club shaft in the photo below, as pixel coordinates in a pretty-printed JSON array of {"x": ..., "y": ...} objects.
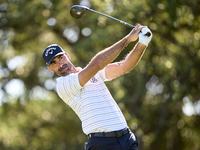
[{"x": 125, "y": 23}]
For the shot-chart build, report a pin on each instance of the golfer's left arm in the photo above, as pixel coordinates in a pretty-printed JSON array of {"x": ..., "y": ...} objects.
[{"x": 117, "y": 69}]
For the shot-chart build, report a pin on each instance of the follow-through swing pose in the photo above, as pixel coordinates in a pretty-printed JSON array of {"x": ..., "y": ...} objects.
[{"x": 85, "y": 92}]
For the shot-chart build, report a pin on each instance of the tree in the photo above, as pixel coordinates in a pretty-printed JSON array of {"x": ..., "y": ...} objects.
[{"x": 159, "y": 98}]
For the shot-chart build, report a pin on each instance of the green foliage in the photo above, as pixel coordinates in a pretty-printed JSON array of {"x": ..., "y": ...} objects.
[{"x": 153, "y": 96}]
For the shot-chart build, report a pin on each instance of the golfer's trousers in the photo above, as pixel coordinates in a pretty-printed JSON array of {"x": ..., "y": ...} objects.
[{"x": 126, "y": 142}]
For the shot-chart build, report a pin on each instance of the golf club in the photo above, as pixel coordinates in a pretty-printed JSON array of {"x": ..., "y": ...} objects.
[{"x": 77, "y": 11}]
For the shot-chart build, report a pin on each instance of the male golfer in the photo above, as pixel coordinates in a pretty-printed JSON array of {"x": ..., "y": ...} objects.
[{"x": 85, "y": 92}]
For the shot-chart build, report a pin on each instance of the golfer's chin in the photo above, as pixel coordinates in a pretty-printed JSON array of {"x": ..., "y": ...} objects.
[{"x": 64, "y": 73}]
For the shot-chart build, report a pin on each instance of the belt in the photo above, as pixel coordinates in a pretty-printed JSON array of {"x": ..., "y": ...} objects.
[{"x": 110, "y": 134}]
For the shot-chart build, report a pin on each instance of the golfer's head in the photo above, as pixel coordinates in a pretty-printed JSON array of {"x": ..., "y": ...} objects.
[
  {"x": 58, "y": 61},
  {"x": 51, "y": 52}
]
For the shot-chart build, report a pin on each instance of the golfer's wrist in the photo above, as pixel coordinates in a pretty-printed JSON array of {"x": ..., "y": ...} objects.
[
  {"x": 130, "y": 39},
  {"x": 141, "y": 44}
]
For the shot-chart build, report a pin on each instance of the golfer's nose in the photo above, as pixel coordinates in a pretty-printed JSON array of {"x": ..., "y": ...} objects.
[{"x": 60, "y": 64}]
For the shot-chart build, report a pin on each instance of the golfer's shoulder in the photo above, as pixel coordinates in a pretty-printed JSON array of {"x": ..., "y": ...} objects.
[
  {"x": 69, "y": 79},
  {"x": 69, "y": 83}
]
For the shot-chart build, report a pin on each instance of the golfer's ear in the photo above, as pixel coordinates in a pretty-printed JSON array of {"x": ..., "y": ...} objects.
[{"x": 50, "y": 69}]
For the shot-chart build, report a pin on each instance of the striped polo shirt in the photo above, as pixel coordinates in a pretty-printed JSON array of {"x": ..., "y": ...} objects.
[{"x": 93, "y": 103}]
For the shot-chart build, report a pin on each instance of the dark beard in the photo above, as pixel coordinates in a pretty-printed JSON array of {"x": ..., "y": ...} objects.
[{"x": 63, "y": 72}]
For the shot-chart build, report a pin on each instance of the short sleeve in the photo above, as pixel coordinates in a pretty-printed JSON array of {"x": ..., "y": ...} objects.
[{"x": 102, "y": 73}]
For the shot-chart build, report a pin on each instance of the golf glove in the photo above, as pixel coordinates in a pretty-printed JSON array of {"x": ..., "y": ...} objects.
[{"x": 144, "y": 39}]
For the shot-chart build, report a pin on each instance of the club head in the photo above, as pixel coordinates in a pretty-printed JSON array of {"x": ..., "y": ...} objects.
[{"x": 78, "y": 11}]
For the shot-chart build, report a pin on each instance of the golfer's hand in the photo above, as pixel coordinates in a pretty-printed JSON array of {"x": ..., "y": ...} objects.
[
  {"x": 133, "y": 35},
  {"x": 143, "y": 38}
]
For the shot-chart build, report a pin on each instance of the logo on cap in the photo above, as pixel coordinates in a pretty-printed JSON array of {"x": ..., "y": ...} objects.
[{"x": 50, "y": 51}]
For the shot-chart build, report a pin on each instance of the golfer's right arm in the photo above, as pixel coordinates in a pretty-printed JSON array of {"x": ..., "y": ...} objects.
[
  {"x": 117, "y": 69},
  {"x": 103, "y": 58}
]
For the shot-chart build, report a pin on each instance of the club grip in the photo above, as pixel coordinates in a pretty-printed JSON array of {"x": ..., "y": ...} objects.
[{"x": 147, "y": 34}]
